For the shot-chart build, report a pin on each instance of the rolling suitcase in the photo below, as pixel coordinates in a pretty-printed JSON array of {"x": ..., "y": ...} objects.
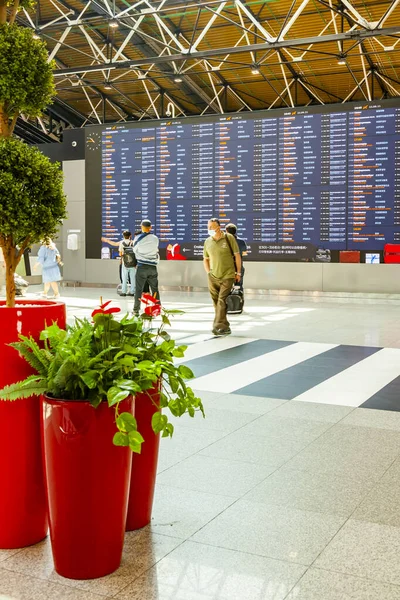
[{"x": 235, "y": 301}]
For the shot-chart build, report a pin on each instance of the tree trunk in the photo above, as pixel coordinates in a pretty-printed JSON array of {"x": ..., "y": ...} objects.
[
  {"x": 14, "y": 12},
  {"x": 4, "y": 124},
  {"x": 3, "y": 12},
  {"x": 11, "y": 262}
]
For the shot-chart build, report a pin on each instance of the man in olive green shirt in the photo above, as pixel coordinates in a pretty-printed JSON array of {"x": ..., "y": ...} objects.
[{"x": 223, "y": 264}]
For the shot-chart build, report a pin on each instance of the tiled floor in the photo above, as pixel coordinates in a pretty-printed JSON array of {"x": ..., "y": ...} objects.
[{"x": 288, "y": 490}]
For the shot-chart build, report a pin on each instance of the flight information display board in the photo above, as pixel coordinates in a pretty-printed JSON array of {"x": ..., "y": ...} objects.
[{"x": 296, "y": 182}]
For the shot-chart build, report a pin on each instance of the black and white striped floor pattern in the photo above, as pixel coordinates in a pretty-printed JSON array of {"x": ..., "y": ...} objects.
[{"x": 357, "y": 376}]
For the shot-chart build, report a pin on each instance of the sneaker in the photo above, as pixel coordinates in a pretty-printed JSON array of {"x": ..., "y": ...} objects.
[
  {"x": 224, "y": 331},
  {"x": 123, "y": 295},
  {"x": 214, "y": 331}
]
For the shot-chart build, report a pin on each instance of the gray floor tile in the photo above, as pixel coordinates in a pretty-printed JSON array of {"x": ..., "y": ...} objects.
[
  {"x": 14, "y": 586},
  {"x": 180, "y": 513},
  {"x": 188, "y": 441},
  {"x": 382, "y": 503},
  {"x": 278, "y": 427},
  {"x": 215, "y": 476},
  {"x": 311, "y": 411},
  {"x": 184, "y": 443},
  {"x": 368, "y": 452},
  {"x": 166, "y": 460},
  {"x": 247, "y": 404},
  {"x": 195, "y": 571},
  {"x": 4, "y": 554},
  {"x": 142, "y": 549},
  {"x": 206, "y": 396},
  {"x": 277, "y": 532},
  {"x": 378, "y": 419},
  {"x": 330, "y": 493},
  {"x": 364, "y": 550},
  {"x": 244, "y": 446},
  {"x": 216, "y": 419},
  {"x": 318, "y": 584}
]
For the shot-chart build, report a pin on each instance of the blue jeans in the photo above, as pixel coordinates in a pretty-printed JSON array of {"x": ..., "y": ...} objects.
[{"x": 132, "y": 275}]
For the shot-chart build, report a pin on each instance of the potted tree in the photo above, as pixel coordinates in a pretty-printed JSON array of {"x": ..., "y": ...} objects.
[
  {"x": 101, "y": 363},
  {"x": 32, "y": 206}
]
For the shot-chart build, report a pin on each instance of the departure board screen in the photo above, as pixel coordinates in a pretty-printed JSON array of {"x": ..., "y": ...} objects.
[{"x": 300, "y": 184}]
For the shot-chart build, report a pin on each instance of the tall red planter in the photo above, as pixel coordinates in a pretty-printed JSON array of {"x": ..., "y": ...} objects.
[
  {"x": 23, "y": 511},
  {"x": 87, "y": 486},
  {"x": 144, "y": 465}
]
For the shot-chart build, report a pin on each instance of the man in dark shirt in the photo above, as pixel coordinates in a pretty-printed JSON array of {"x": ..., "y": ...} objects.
[{"x": 232, "y": 229}]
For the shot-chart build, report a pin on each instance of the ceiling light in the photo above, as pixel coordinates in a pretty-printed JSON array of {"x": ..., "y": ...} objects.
[
  {"x": 107, "y": 85},
  {"x": 114, "y": 23},
  {"x": 255, "y": 71},
  {"x": 342, "y": 60},
  {"x": 178, "y": 79},
  {"x": 36, "y": 36}
]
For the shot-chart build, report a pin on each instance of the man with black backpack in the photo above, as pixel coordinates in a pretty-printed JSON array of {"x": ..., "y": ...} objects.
[{"x": 128, "y": 264}]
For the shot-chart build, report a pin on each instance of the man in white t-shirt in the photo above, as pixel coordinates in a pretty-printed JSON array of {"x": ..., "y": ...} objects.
[{"x": 145, "y": 247}]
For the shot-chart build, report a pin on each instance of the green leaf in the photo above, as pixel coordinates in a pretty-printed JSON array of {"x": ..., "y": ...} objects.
[
  {"x": 158, "y": 422},
  {"x": 168, "y": 430},
  {"x": 174, "y": 383},
  {"x": 135, "y": 441},
  {"x": 115, "y": 395},
  {"x": 127, "y": 361},
  {"x": 165, "y": 335},
  {"x": 165, "y": 319},
  {"x": 33, "y": 386},
  {"x": 185, "y": 372},
  {"x": 145, "y": 364},
  {"x": 126, "y": 422},
  {"x": 90, "y": 378},
  {"x": 120, "y": 439}
]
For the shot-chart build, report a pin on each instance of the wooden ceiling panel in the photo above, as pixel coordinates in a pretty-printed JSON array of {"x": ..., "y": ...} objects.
[{"x": 296, "y": 74}]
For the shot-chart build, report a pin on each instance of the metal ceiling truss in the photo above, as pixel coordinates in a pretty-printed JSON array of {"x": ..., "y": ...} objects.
[{"x": 170, "y": 61}]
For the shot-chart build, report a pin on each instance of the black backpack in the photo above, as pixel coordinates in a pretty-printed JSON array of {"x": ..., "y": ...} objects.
[{"x": 128, "y": 256}]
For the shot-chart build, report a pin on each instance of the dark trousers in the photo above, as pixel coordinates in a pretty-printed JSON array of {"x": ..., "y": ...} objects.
[
  {"x": 241, "y": 278},
  {"x": 219, "y": 291},
  {"x": 145, "y": 275}
]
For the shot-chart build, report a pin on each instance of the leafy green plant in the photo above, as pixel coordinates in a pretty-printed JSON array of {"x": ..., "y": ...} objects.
[
  {"x": 26, "y": 76},
  {"x": 32, "y": 202},
  {"x": 108, "y": 360}
]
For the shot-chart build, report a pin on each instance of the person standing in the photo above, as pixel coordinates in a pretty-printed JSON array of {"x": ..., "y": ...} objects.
[
  {"x": 50, "y": 259},
  {"x": 145, "y": 247},
  {"x": 128, "y": 264},
  {"x": 232, "y": 229},
  {"x": 222, "y": 263}
]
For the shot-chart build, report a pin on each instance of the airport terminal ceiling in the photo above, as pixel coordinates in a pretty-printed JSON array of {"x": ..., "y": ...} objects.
[{"x": 123, "y": 61}]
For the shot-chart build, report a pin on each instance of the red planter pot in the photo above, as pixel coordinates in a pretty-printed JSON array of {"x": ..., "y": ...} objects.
[
  {"x": 144, "y": 465},
  {"x": 23, "y": 511},
  {"x": 87, "y": 486}
]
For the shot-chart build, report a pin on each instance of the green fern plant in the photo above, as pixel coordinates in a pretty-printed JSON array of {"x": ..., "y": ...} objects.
[{"x": 108, "y": 360}]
